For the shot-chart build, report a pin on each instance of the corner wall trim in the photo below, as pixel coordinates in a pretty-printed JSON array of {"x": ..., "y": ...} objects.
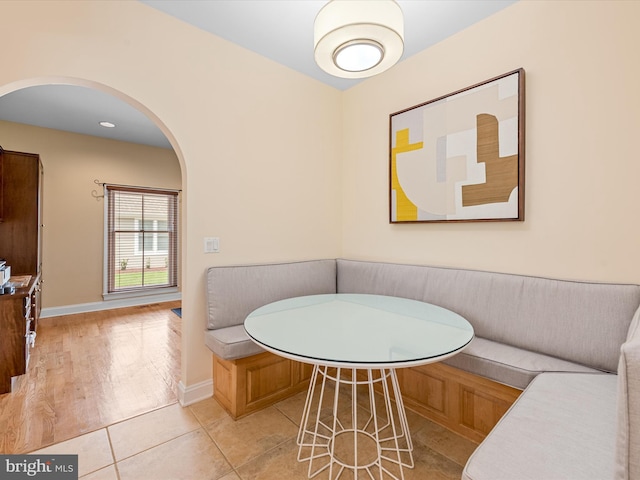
[
  {"x": 194, "y": 393},
  {"x": 108, "y": 305}
]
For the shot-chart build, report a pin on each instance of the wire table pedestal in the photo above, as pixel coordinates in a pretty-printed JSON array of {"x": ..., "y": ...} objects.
[{"x": 354, "y": 420}]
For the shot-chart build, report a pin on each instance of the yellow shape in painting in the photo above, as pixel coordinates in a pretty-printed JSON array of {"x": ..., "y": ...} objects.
[{"x": 405, "y": 209}]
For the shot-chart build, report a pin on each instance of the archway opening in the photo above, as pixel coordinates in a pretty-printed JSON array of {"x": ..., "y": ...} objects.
[{"x": 73, "y": 240}]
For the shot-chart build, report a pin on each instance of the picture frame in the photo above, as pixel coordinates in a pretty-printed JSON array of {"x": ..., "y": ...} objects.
[{"x": 460, "y": 157}]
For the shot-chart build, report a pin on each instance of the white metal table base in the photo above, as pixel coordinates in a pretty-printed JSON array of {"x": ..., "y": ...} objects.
[{"x": 340, "y": 433}]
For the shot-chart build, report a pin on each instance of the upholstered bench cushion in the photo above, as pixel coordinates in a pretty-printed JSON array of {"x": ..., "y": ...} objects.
[
  {"x": 580, "y": 322},
  {"x": 230, "y": 343},
  {"x": 509, "y": 365},
  {"x": 563, "y": 426},
  {"x": 628, "y": 446},
  {"x": 233, "y": 292}
]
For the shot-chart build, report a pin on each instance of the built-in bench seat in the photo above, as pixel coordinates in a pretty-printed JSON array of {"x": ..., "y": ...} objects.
[
  {"x": 246, "y": 378},
  {"x": 525, "y": 326},
  {"x": 510, "y": 365},
  {"x": 569, "y": 426},
  {"x": 234, "y": 292},
  {"x": 562, "y": 428}
]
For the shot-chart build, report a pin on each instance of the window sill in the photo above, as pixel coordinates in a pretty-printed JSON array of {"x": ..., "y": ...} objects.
[{"x": 147, "y": 292}]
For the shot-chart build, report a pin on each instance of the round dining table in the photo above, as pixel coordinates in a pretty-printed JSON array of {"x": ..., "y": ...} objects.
[{"x": 354, "y": 418}]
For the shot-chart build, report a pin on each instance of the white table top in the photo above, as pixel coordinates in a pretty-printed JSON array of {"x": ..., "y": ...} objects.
[{"x": 358, "y": 331}]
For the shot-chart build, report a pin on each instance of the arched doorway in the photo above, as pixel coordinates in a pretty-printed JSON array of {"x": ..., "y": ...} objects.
[{"x": 72, "y": 162}]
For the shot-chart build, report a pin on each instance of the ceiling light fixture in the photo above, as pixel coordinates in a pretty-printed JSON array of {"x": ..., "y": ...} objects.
[
  {"x": 107, "y": 124},
  {"x": 358, "y": 38}
]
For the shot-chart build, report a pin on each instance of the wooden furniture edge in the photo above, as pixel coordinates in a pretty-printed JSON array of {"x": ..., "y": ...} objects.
[
  {"x": 246, "y": 385},
  {"x": 467, "y": 404}
]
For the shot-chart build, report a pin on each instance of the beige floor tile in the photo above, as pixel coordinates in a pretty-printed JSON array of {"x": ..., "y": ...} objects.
[
  {"x": 292, "y": 407},
  {"x": 416, "y": 422},
  {"x": 444, "y": 442},
  {"x": 192, "y": 456},
  {"x": 93, "y": 451},
  {"x": 151, "y": 429},
  {"x": 231, "y": 476},
  {"x": 251, "y": 436},
  {"x": 208, "y": 411},
  {"x": 430, "y": 465},
  {"x": 280, "y": 463},
  {"x": 170, "y": 444},
  {"x": 107, "y": 473}
]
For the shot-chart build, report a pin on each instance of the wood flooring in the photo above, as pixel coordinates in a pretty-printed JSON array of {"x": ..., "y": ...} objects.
[{"x": 91, "y": 370}]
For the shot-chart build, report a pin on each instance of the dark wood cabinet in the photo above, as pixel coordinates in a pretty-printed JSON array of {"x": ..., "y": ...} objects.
[
  {"x": 19, "y": 313},
  {"x": 1, "y": 196},
  {"x": 21, "y": 247},
  {"x": 21, "y": 225}
]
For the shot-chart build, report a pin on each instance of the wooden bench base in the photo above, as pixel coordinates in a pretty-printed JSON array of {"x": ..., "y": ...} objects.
[
  {"x": 462, "y": 402},
  {"x": 465, "y": 403},
  {"x": 249, "y": 384}
]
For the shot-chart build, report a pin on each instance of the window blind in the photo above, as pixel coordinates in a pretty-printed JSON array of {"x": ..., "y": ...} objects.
[{"x": 142, "y": 243}]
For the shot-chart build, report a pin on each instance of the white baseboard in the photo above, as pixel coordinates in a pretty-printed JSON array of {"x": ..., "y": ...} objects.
[
  {"x": 108, "y": 305},
  {"x": 194, "y": 393}
]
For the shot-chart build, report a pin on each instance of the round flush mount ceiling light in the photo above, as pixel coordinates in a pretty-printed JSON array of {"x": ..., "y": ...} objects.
[
  {"x": 358, "y": 55},
  {"x": 107, "y": 124},
  {"x": 358, "y": 38}
]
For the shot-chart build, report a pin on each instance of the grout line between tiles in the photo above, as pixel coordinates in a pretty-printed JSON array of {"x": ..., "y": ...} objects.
[
  {"x": 233, "y": 469},
  {"x": 267, "y": 451},
  {"x": 113, "y": 455},
  {"x": 206, "y": 431},
  {"x": 157, "y": 445},
  {"x": 97, "y": 429}
]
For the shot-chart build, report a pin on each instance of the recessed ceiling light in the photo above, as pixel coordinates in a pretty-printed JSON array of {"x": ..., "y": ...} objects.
[{"x": 107, "y": 124}]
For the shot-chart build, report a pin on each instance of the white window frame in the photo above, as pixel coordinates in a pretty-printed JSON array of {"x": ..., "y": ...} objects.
[{"x": 145, "y": 291}]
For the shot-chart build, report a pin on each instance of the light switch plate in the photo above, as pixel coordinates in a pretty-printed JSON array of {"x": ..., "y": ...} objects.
[{"x": 211, "y": 245}]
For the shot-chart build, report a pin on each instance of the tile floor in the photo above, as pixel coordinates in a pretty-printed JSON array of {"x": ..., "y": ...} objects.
[{"x": 202, "y": 442}]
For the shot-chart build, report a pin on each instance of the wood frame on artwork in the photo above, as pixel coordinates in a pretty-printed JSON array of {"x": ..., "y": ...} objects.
[{"x": 460, "y": 157}]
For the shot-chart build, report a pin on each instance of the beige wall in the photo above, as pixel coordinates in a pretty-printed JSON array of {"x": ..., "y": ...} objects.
[
  {"x": 258, "y": 144},
  {"x": 73, "y": 234},
  {"x": 582, "y": 122}
]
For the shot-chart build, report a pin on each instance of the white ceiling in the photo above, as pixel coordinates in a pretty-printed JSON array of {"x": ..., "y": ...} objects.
[{"x": 286, "y": 37}]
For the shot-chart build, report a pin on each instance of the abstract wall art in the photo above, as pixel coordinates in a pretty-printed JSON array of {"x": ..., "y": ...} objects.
[{"x": 460, "y": 157}]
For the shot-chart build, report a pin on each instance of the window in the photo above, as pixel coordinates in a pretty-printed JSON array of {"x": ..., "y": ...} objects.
[
  {"x": 141, "y": 241},
  {"x": 152, "y": 242}
]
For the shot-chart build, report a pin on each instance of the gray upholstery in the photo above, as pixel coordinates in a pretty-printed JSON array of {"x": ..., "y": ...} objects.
[
  {"x": 579, "y": 322},
  {"x": 510, "y": 365},
  {"x": 233, "y": 292},
  {"x": 231, "y": 343},
  {"x": 562, "y": 427},
  {"x": 628, "y": 446}
]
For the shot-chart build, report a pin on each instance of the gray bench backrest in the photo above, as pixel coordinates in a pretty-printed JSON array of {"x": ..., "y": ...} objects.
[
  {"x": 233, "y": 292},
  {"x": 577, "y": 321},
  {"x": 628, "y": 446}
]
